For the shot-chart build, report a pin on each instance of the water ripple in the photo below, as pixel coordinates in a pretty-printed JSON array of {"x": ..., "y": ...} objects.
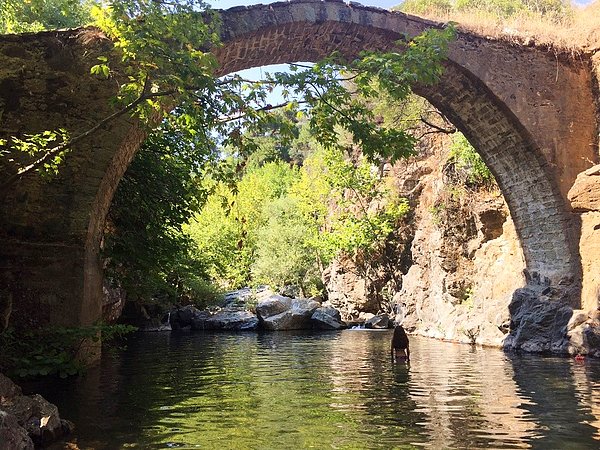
[{"x": 329, "y": 390}]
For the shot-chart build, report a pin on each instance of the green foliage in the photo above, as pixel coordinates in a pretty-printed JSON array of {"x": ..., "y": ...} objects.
[
  {"x": 35, "y": 146},
  {"x": 52, "y": 351},
  {"x": 18, "y": 16},
  {"x": 284, "y": 255},
  {"x": 465, "y": 167},
  {"x": 333, "y": 107},
  {"x": 437, "y": 211},
  {"x": 145, "y": 246},
  {"x": 335, "y": 195},
  {"x": 225, "y": 230}
]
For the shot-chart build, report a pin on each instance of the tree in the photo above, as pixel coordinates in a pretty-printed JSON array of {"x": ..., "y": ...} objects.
[
  {"x": 284, "y": 255},
  {"x": 18, "y": 16},
  {"x": 146, "y": 249},
  {"x": 225, "y": 230}
]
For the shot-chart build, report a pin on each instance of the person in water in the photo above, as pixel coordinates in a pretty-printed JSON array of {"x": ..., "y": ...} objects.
[{"x": 400, "y": 350}]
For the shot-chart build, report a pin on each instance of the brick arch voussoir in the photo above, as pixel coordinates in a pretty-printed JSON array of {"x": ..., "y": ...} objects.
[{"x": 537, "y": 207}]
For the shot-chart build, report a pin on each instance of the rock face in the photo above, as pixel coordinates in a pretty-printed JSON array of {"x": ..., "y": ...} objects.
[
  {"x": 349, "y": 291},
  {"x": 539, "y": 314},
  {"x": 283, "y": 313},
  {"x": 585, "y": 199},
  {"x": 584, "y": 195},
  {"x": 27, "y": 420},
  {"x": 457, "y": 257},
  {"x": 12, "y": 435}
]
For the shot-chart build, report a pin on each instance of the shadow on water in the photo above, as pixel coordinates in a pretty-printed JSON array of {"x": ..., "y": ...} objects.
[
  {"x": 562, "y": 398},
  {"x": 327, "y": 390}
]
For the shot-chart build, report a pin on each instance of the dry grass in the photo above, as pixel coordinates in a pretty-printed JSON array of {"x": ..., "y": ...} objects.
[{"x": 576, "y": 34}]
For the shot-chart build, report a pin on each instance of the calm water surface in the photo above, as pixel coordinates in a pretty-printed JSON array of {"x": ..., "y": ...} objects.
[{"x": 329, "y": 390}]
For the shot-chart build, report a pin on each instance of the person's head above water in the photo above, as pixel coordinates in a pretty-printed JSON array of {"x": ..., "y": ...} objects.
[{"x": 400, "y": 339}]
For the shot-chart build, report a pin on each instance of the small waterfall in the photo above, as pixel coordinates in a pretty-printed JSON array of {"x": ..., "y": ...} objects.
[{"x": 165, "y": 326}]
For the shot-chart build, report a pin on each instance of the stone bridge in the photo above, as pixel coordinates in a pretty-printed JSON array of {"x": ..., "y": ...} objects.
[{"x": 529, "y": 111}]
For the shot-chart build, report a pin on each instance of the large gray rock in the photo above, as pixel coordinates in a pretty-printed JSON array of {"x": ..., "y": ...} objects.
[
  {"x": 232, "y": 320},
  {"x": 539, "y": 318},
  {"x": 273, "y": 305},
  {"x": 12, "y": 435},
  {"x": 327, "y": 318},
  {"x": 38, "y": 418},
  {"x": 199, "y": 320},
  {"x": 381, "y": 321},
  {"x": 283, "y": 313},
  {"x": 184, "y": 316}
]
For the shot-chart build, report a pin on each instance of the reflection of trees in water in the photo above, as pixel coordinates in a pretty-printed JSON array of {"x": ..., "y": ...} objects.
[
  {"x": 559, "y": 398},
  {"x": 299, "y": 389}
]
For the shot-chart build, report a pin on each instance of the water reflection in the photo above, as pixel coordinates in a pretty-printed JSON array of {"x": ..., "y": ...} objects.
[{"x": 329, "y": 390}]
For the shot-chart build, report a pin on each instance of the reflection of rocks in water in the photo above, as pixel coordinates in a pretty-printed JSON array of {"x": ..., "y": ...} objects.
[
  {"x": 547, "y": 385},
  {"x": 468, "y": 395}
]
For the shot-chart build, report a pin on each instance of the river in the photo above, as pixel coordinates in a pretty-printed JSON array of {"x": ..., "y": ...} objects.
[{"x": 294, "y": 390}]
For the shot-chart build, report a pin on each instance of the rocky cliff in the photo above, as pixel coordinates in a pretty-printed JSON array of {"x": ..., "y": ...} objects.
[
  {"x": 457, "y": 258},
  {"x": 455, "y": 269}
]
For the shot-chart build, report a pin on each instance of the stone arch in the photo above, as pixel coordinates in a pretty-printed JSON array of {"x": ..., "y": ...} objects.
[
  {"x": 494, "y": 105},
  {"x": 312, "y": 30}
]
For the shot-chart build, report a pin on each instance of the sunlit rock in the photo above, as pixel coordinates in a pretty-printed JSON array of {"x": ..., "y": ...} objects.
[
  {"x": 283, "y": 313},
  {"x": 231, "y": 320},
  {"x": 327, "y": 318},
  {"x": 380, "y": 321}
]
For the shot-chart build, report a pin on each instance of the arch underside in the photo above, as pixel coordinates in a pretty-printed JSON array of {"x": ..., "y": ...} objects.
[{"x": 534, "y": 200}]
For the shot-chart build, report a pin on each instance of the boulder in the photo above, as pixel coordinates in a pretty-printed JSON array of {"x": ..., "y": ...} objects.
[
  {"x": 12, "y": 435},
  {"x": 327, "y": 318},
  {"x": 232, "y": 320},
  {"x": 283, "y": 313},
  {"x": 184, "y": 316},
  {"x": 273, "y": 305},
  {"x": 584, "y": 195},
  {"x": 381, "y": 321},
  {"x": 38, "y": 418},
  {"x": 539, "y": 318},
  {"x": 199, "y": 319}
]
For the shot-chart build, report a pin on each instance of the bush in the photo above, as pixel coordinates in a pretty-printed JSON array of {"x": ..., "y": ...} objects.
[
  {"x": 465, "y": 167},
  {"x": 50, "y": 351}
]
